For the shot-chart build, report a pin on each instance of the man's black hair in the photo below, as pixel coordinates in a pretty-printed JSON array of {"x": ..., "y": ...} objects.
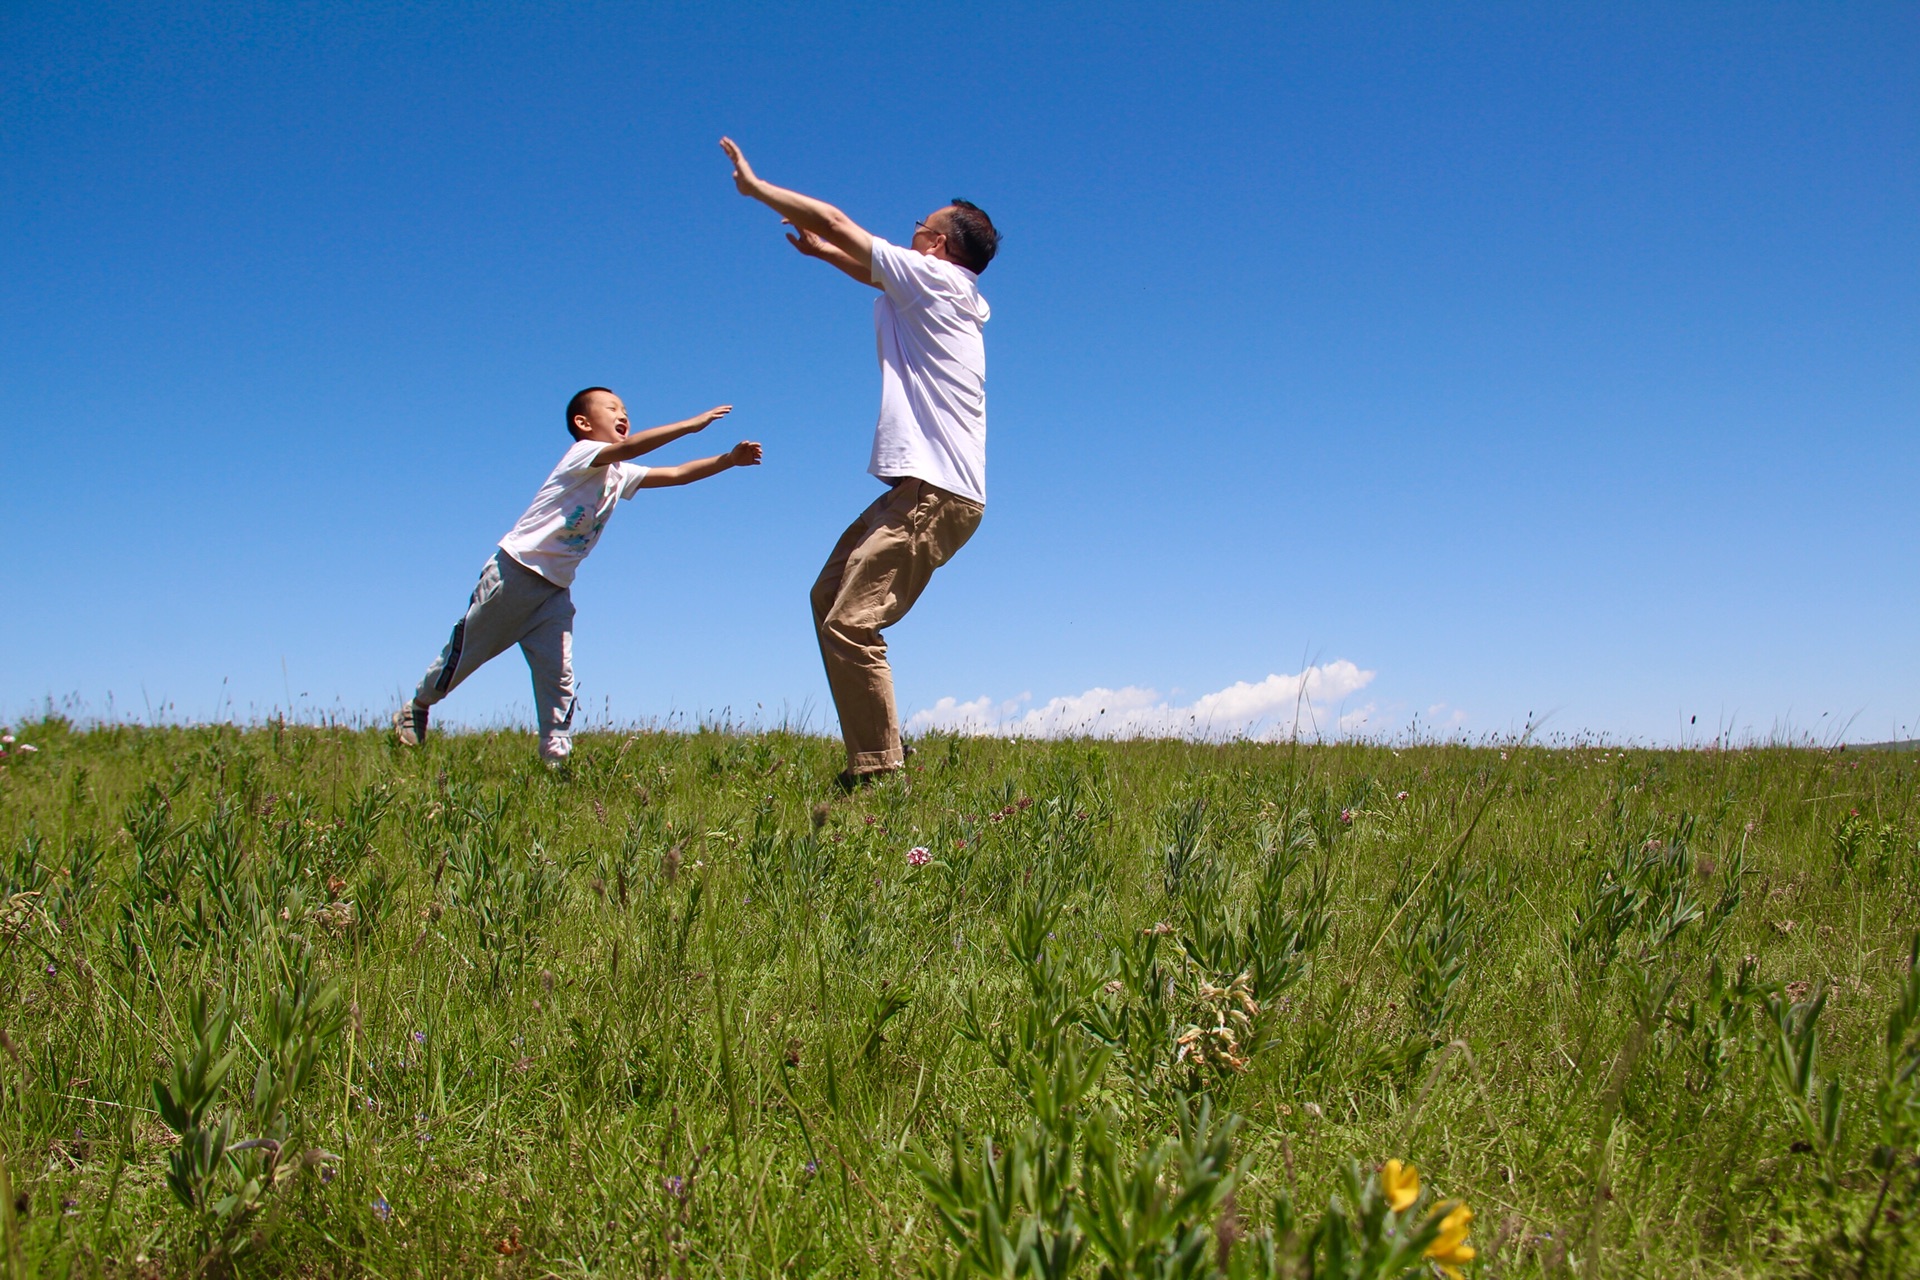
[
  {"x": 971, "y": 238},
  {"x": 579, "y": 405}
]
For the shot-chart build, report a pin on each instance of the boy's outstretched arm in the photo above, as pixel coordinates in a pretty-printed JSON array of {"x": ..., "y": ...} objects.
[
  {"x": 744, "y": 454},
  {"x": 639, "y": 442},
  {"x": 817, "y": 224}
]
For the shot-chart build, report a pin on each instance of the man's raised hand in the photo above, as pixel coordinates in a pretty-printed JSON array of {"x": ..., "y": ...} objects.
[
  {"x": 743, "y": 178},
  {"x": 745, "y": 454},
  {"x": 819, "y": 230},
  {"x": 712, "y": 416}
]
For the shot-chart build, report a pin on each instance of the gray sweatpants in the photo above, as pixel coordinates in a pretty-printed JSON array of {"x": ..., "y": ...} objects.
[{"x": 514, "y": 605}]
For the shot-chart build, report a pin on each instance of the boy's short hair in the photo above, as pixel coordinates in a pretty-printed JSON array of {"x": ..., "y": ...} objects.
[
  {"x": 971, "y": 238},
  {"x": 579, "y": 405}
]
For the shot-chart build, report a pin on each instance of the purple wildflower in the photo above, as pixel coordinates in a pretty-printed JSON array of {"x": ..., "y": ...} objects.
[{"x": 381, "y": 1209}]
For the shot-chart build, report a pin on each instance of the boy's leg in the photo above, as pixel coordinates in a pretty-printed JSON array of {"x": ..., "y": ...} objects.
[
  {"x": 497, "y": 615},
  {"x": 548, "y": 645},
  {"x": 875, "y": 575}
]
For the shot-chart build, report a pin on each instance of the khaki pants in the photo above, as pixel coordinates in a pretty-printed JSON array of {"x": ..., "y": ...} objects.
[{"x": 877, "y": 570}]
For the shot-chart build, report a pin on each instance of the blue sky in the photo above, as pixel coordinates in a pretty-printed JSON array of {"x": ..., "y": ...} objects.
[{"x": 1495, "y": 361}]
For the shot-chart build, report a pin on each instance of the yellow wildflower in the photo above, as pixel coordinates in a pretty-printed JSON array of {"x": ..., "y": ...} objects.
[
  {"x": 1450, "y": 1249},
  {"x": 1402, "y": 1185},
  {"x": 1401, "y": 1182}
]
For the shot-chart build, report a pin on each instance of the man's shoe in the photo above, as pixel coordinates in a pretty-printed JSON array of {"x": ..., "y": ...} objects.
[
  {"x": 410, "y": 724},
  {"x": 849, "y": 781}
]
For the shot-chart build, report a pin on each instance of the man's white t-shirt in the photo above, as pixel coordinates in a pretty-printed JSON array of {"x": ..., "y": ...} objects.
[
  {"x": 566, "y": 517},
  {"x": 933, "y": 372}
]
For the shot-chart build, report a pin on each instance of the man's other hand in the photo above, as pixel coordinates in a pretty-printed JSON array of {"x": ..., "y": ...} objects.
[
  {"x": 712, "y": 416},
  {"x": 805, "y": 241},
  {"x": 745, "y": 454}
]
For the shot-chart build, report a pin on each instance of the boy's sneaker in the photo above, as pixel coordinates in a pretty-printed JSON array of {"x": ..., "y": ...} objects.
[{"x": 410, "y": 724}]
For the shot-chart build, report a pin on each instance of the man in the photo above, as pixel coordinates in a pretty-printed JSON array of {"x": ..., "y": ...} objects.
[{"x": 929, "y": 446}]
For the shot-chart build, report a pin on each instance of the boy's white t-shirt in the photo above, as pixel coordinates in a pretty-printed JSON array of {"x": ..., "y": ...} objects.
[
  {"x": 566, "y": 517},
  {"x": 933, "y": 372}
]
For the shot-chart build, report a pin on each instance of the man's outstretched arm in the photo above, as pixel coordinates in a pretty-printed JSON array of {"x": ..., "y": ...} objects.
[
  {"x": 817, "y": 225},
  {"x": 814, "y": 247}
]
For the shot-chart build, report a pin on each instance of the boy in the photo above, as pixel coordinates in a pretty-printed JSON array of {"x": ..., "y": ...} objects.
[{"x": 523, "y": 595}]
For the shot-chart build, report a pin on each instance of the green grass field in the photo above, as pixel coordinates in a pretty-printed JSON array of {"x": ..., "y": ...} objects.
[{"x": 288, "y": 1001}]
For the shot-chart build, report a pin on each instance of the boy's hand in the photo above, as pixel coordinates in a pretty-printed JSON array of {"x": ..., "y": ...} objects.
[
  {"x": 745, "y": 454},
  {"x": 743, "y": 178},
  {"x": 712, "y": 416}
]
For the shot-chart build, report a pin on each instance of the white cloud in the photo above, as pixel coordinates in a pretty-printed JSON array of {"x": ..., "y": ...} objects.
[
  {"x": 1265, "y": 709},
  {"x": 1357, "y": 719}
]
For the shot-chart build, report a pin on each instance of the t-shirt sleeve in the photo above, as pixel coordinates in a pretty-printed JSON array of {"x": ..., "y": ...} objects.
[
  {"x": 579, "y": 458},
  {"x": 908, "y": 276},
  {"x": 631, "y": 474}
]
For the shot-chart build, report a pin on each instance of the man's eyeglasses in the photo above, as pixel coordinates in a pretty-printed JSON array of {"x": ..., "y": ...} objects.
[{"x": 919, "y": 226}]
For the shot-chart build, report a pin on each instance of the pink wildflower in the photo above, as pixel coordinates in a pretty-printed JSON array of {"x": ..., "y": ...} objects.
[
  {"x": 919, "y": 856},
  {"x": 1346, "y": 816}
]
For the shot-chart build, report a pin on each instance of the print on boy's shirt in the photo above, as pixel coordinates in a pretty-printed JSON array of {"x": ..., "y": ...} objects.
[{"x": 573, "y": 538}]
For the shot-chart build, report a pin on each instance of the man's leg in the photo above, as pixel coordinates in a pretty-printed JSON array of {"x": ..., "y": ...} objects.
[
  {"x": 875, "y": 575},
  {"x": 495, "y": 616},
  {"x": 548, "y": 645}
]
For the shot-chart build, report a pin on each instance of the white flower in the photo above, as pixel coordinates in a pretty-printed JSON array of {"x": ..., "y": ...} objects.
[
  {"x": 6, "y": 738},
  {"x": 28, "y": 747}
]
